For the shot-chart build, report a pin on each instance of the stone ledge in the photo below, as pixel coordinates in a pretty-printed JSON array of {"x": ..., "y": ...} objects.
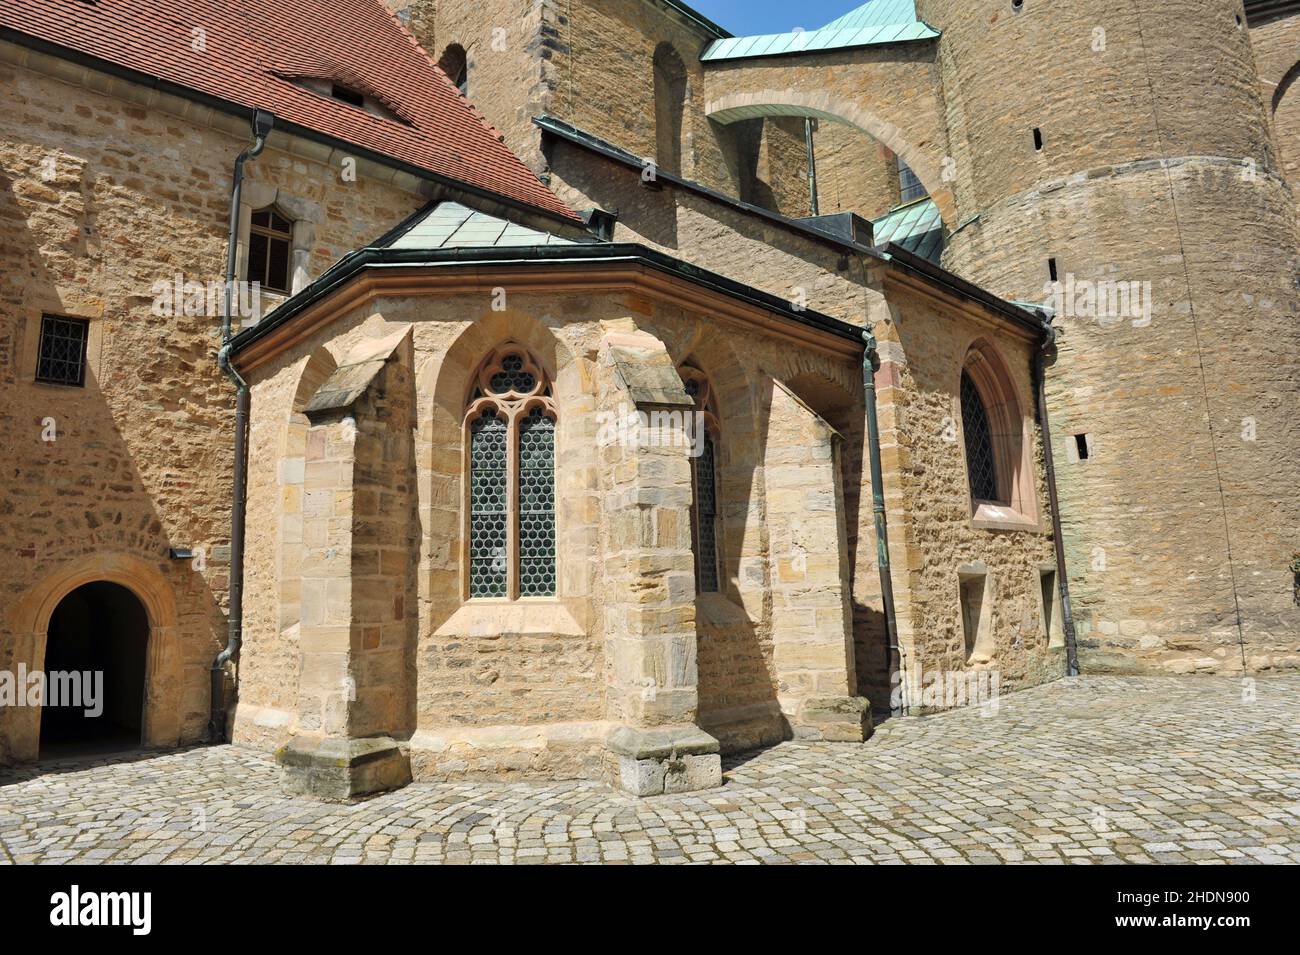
[
  {"x": 339, "y": 770},
  {"x": 666, "y": 759},
  {"x": 836, "y": 719}
]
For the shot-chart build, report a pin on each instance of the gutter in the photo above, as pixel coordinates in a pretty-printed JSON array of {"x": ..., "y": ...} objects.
[
  {"x": 263, "y": 122},
  {"x": 1058, "y": 542},
  {"x": 870, "y": 365},
  {"x": 624, "y": 253},
  {"x": 230, "y": 107}
]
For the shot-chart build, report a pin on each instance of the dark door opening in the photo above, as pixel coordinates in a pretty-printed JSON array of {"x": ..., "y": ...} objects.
[{"x": 95, "y": 662}]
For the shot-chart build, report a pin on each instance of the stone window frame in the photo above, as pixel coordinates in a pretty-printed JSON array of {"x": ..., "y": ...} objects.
[
  {"x": 514, "y": 406},
  {"x": 32, "y": 318},
  {"x": 705, "y": 405},
  {"x": 306, "y": 217},
  {"x": 671, "y": 91},
  {"x": 1009, "y": 429},
  {"x": 272, "y": 235}
]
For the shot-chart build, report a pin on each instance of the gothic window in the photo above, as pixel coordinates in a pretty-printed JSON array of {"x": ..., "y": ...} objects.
[
  {"x": 510, "y": 441},
  {"x": 705, "y": 519},
  {"x": 270, "y": 241},
  {"x": 980, "y": 467}
]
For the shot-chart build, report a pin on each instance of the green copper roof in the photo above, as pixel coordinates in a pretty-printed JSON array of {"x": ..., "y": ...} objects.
[
  {"x": 449, "y": 225},
  {"x": 876, "y": 21},
  {"x": 917, "y": 227}
]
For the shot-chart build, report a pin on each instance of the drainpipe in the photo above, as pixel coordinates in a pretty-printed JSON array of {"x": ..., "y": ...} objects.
[
  {"x": 263, "y": 121},
  {"x": 870, "y": 364},
  {"x": 808, "y": 129},
  {"x": 1062, "y": 581}
]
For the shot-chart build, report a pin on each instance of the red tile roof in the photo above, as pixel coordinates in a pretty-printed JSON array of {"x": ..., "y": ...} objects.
[{"x": 252, "y": 49}]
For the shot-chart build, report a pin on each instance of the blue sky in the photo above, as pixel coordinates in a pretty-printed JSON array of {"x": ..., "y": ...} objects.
[{"x": 745, "y": 17}]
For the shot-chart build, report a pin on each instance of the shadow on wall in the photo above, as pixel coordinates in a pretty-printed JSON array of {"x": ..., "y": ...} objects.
[{"x": 89, "y": 478}]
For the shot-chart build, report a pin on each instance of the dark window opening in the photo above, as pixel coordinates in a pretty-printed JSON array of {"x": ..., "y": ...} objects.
[
  {"x": 63, "y": 351},
  {"x": 1038, "y": 139},
  {"x": 270, "y": 241},
  {"x": 909, "y": 186},
  {"x": 980, "y": 465},
  {"x": 706, "y": 518},
  {"x": 1051, "y": 269},
  {"x": 1081, "y": 445},
  {"x": 455, "y": 64},
  {"x": 347, "y": 95}
]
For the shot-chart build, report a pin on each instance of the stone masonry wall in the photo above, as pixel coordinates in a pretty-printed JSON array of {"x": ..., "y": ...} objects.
[{"x": 102, "y": 198}]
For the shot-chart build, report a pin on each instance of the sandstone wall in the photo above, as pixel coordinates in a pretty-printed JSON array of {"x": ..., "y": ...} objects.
[
  {"x": 102, "y": 198},
  {"x": 1181, "y": 521},
  {"x": 1277, "y": 60}
]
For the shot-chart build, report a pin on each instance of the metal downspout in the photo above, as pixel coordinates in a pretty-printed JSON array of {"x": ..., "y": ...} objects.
[
  {"x": 809, "y": 128},
  {"x": 262, "y": 124},
  {"x": 870, "y": 364},
  {"x": 1062, "y": 581}
]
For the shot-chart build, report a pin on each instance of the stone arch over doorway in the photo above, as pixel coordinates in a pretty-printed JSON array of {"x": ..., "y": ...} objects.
[
  {"x": 29, "y": 623},
  {"x": 915, "y": 135}
]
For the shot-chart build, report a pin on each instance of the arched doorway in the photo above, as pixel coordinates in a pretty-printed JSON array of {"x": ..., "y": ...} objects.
[{"x": 95, "y": 669}]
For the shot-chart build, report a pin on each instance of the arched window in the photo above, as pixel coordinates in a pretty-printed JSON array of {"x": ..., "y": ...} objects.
[
  {"x": 510, "y": 456},
  {"x": 999, "y": 468},
  {"x": 454, "y": 63},
  {"x": 270, "y": 242},
  {"x": 670, "y": 104},
  {"x": 980, "y": 466},
  {"x": 705, "y": 518}
]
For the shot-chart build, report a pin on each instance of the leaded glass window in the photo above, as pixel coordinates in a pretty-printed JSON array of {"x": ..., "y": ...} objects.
[
  {"x": 980, "y": 465},
  {"x": 705, "y": 519},
  {"x": 510, "y": 435},
  {"x": 270, "y": 242}
]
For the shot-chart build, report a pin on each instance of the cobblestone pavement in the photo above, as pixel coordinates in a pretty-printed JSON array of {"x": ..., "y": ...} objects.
[{"x": 1100, "y": 769}]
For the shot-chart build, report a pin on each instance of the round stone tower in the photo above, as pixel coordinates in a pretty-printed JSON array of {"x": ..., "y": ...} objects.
[{"x": 1121, "y": 148}]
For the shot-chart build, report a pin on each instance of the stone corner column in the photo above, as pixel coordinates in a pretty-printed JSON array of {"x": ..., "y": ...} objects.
[
  {"x": 648, "y": 574},
  {"x": 354, "y": 600},
  {"x": 812, "y": 620}
]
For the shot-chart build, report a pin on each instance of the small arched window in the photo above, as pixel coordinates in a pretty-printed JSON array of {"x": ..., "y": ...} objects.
[
  {"x": 670, "y": 105},
  {"x": 705, "y": 516},
  {"x": 510, "y": 459},
  {"x": 981, "y": 467},
  {"x": 270, "y": 242},
  {"x": 999, "y": 465},
  {"x": 455, "y": 64}
]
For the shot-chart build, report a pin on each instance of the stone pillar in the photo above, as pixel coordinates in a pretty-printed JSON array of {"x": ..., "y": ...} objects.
[
  {"x": 358, "y": 550},
  {"x": 812, "y": 618},
  {"x": 649, "y": 574}
]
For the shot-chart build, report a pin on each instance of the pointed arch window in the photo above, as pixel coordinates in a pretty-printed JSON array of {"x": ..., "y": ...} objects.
[
  {"x": 998, "y": 443},
  {"x": 510, "y": 461},
  {"x": 705, "y": 516},
  {"x": 980, "y": 467}
]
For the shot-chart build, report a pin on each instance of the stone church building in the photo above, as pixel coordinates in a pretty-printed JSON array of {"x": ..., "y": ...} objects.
[{"x": 431, "y": 389}]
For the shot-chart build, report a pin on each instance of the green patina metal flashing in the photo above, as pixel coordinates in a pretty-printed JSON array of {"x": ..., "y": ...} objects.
[
  {"x": 375, "y": 258},
  {"x": 450, "y": 225},
  {"x": 916, "y": 227},
  {"x": 873, "y": 23}
]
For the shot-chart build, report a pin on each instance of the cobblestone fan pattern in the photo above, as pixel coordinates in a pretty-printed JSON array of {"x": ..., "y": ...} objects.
[{"x": 1091, "y": 770}]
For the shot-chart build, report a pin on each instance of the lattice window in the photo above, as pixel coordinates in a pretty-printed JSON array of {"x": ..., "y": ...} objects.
[
  {"x": 705, "y": 519},
  {"x": 270, "y": 244},
  {"x": 62, "y": 358},
  {"x": 980, "y": 466},
  {"x": 909, "y": 186},
  {"x": 510, "y": 431}
]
